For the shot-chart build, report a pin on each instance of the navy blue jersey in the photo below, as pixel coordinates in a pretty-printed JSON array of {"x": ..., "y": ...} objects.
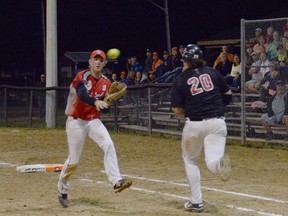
[{"x": 199, "y": 91}]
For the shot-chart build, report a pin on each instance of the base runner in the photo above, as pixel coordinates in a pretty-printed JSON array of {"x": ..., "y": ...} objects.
[
  {"x": 85, "y": 101},
  {"x": 199, "y": 94}
]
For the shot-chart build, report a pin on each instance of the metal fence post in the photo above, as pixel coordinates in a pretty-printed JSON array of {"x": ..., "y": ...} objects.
[
  {"x": 30, "y": 108},
  {"x": 149, "y": 112},
  {"x": 5, "y": 107},
  {"x": 115, "y": 116},
  {"x": 243, "y": 95}
]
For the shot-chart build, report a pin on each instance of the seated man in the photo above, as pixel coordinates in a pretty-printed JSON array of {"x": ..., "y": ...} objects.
[
  {"x": 224, "y": 66},
  {"x": 277, "y": 106},
  {"x": 267, "y": 84},
  {"x": 230, "y": 56},
  {"x": 253, "y": 85},
  {"x": 156, "y": 63}
]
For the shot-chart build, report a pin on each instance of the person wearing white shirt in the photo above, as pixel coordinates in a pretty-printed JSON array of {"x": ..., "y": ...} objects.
[
  {"x": 264, "y": 64},
  {"x": 233, "y": 79}
]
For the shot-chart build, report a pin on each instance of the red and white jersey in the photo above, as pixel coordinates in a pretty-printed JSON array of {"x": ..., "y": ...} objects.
[{"x": 96, "y": 88}]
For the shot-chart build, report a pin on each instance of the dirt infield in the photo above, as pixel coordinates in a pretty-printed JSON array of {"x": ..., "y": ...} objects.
[{"x": 259, "y": 183}]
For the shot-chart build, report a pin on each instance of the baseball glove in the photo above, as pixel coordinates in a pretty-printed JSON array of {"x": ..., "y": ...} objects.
[{"x": 115, "y": 92}]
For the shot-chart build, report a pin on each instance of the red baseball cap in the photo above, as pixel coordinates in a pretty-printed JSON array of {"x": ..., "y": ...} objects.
[{"x": 98, "y": 53}]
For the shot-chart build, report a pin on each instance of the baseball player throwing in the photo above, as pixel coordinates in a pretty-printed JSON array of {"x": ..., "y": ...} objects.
[
  {"x": 199, "y": 94},
  {"x": 85, "y": 101}
]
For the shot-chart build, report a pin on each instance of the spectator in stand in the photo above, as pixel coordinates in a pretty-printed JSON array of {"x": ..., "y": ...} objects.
[
  {"x": 138, "y": 79},
  {"x": 264, "y": 64},
  {"x": 156, "y": 63},
  {"x": 176, "y": 58},
  {"x": 224, "y": 66},
  {"x": 249, "y": 51},
  {"x": 266, "y": 84},
  {"x": 261, "y": 43},
  {"x": 131, "y": 77},
  {"x": 277, "y": 106},
  {"x": 135, "y": 65},
  {"x": 261, "y": 49},
  {"x": 272, "y": 47},
  {"x": 258, "y": 35},
  {"x": 252, "y": 86},
  {"x": 284, "y": 65},
  {"x": 41, "y": 96},
  {"x": 128, "y": 64},
  {"x": 181, "y": 50},
  {"x": 269, "y": 81},
  {"x": 148, "y": 61},
  {"x": 285, "y": 39},
  {"x": 233, "y": 78},
  {"x": 229, "y": 55},
  {"x": 114, "y": 77},
  {"x": 282, "y": 54},
  {"x": 269, "y": 35},
  {"x": 123, "y": 78},
  {"x": 144, "y": 78},
  {"x": 167, "y": 60},
  {"x": 285, "y": 27},
  {"x": 286, "y": 48}
]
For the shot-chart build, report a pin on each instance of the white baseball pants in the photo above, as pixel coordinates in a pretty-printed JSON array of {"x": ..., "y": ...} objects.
[
  {"x": 77, "y": 130},
  {"x": 211, "y": 134}
]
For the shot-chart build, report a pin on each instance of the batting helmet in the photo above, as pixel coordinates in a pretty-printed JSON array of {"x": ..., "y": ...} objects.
[{"x": 192, "y": 52}]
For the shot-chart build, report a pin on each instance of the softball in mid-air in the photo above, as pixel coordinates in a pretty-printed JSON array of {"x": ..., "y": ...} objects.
[{"x": 113, "y": 53}]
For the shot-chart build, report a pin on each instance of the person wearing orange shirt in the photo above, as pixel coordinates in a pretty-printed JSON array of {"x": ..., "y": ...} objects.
[
  {"x": 156, "y": 63},
  {"x": 230, "y": 56}
]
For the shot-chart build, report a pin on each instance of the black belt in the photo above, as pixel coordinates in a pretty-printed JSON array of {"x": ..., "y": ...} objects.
[{"x": 201, "y": 119}]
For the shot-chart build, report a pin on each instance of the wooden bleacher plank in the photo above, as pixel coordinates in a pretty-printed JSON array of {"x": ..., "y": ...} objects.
[
  {"x": 179, "y": 134},
  {"x": 164, "y": 120}
]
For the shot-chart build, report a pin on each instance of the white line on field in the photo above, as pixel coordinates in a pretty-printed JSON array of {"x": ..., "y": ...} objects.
[
  {"x": 182, "y": 197},
  {"x": 208, "y": 188},
  {"x": 6, "y": 164},
  {"x": 185, "y": 185}
]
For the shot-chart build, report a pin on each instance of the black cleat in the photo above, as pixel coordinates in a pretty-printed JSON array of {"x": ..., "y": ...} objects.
[
  {"x": 63, "y": 199},
  {"x": 194, "y": 207}
]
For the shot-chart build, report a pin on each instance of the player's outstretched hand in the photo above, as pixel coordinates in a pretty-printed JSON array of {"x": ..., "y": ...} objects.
[{"x": 100, "y": 104}]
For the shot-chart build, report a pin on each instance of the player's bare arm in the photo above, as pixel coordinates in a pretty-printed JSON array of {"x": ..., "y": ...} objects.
[{"x": 179, "y": 112}]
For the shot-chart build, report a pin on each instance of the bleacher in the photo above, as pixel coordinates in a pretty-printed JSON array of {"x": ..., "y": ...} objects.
[{"x": 164, "y": 121}]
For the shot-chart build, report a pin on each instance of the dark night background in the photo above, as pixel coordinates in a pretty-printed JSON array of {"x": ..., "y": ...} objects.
[{"x": 130, "y": 25}]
